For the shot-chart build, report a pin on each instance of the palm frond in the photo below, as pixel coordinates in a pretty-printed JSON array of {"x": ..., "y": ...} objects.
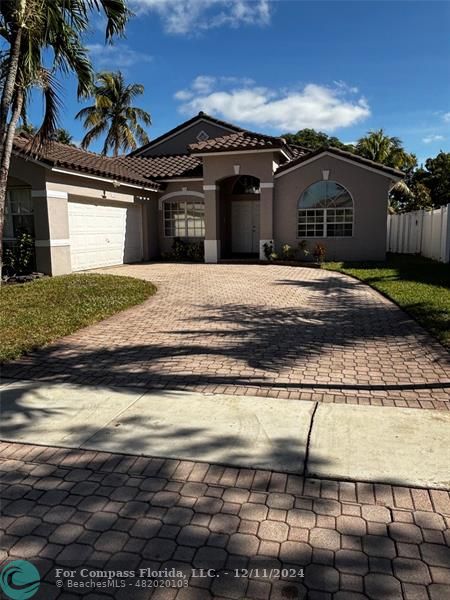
[{"x": 51, "y": 90}]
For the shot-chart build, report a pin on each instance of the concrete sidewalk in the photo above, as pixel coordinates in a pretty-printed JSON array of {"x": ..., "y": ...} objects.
[{"x": 363, "y": 443}]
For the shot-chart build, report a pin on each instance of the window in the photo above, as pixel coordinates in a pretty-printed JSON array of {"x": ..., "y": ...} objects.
[
  {"x": 184, "y": 218},
  {"x": 246, "y": 184},
  {"x": 18, "y": 213},
  {"x": 325, "y": 209}
]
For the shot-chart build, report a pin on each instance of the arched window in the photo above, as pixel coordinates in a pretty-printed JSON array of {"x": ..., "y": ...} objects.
[
  {"x": 184, "y": 218},
  {"x": 246, "y": 184},
  {"x": 325, "y": 209}
]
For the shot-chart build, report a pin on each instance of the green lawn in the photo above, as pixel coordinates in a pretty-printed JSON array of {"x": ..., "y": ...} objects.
[
  {"x": 36, "y": 313},
  {"x": 420, "y": 286}
]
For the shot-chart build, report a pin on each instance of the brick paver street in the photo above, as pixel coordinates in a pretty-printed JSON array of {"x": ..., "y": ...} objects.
[
  {"x": 74, "y": 509},
  {"x": 278, "y": 331}
]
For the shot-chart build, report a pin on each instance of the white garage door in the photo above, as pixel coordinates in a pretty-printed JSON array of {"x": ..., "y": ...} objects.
[{"x": 104, "y": 234}]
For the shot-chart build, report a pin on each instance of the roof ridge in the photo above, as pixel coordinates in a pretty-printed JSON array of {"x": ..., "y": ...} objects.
[{"x": 345, "y": 153}]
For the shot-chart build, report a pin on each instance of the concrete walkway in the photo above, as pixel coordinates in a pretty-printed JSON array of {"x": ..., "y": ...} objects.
[{"x": 361, "y": 443}]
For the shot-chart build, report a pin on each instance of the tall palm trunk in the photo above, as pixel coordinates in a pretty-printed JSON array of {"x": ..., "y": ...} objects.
[
  {"x": 8, "y": 129},
  {"x": 8, "y": 88}
]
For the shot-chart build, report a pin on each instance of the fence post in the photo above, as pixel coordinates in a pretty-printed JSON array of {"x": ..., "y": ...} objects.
[
  {"x": 420, "y": 231},
  {"x": 445, "y": 234}
]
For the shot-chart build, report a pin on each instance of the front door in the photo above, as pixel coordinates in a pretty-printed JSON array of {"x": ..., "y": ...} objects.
[{"x": 245, "y": 226}]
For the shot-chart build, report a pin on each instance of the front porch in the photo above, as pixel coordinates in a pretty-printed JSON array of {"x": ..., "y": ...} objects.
[{"x": 238, "y": 219}]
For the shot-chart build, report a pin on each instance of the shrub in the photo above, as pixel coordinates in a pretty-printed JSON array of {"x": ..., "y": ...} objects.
[
  {"x": 182, "y": 250},
  {"x": 19, "y": 260},
  {"x": 268, "y": 250},
  {"x": 319, "y": 253},
  {"x": 287, "y": 252},
  {"x": 303, "y": 248}
]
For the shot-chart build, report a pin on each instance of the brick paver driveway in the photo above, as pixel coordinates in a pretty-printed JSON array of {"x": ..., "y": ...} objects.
[
  {"x": 260, "y": 330},
  {"x": 354, "y": 541}
]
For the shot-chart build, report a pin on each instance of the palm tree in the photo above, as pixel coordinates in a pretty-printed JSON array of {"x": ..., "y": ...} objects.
[
  {"x": 113, "y": 114},
  {"x": 32, "y": 30},
  {"x": 62, "y": 136},
  {"x": 389, "y": 151}
]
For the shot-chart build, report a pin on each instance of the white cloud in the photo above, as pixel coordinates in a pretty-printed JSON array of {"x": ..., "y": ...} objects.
[
  {"x": 316, "y": 106},
  {"x": 203, "y": 85},
  {"x": 446, "y": 117},
  {"x": 432, "y": 138},
  {"x": 107, "y": 56},
  {"x": 194, "y": 16}
]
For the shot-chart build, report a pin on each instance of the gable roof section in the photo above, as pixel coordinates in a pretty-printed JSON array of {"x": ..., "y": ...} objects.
[
  {"x": 197, "y": 119},
  {"x": 241, "y": 141},
  {"x": 55, "y": 154},
  {"x": 348, "y": 156},
  {"x": 297, "y": 150},
  {"x": 166, "y": 166}
]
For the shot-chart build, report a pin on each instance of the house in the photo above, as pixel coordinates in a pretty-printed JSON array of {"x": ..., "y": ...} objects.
[{"x": 205, "y": 180}]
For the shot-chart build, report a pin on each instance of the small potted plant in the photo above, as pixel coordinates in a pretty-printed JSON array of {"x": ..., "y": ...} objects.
[{"x": 319, "y": 253}]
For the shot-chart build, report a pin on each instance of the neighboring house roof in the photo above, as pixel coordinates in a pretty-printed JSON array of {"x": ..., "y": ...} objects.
[
  {"x": 244, "y": 140},
  {"x": 200, "y": 117},
  {"x": 61, "y": 155},
  {"x": 165, "y": 167},
  {"x": 297, "y": 150},
  {"x": 339, "y": 153}
]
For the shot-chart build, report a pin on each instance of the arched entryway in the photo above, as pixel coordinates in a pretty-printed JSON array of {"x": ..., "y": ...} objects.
[{"x": 240, "y": 216}]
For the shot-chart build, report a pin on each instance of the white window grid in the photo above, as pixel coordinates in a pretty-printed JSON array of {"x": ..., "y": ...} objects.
[
  {"x": 325, "y": 222},
  {"x": 185, "y": 219},
  {"x": 18, "y": 213}
]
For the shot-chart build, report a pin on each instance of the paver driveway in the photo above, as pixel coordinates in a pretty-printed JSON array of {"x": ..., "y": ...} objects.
[{"x": 269, "y": 330}]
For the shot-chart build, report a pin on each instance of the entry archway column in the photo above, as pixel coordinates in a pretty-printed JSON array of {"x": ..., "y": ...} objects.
[
  {"x": 266, "y": 217},
  {"x": 212, "y": 232}
]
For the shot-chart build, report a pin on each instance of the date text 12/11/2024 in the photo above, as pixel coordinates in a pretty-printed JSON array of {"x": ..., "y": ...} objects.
[{"x": 255, "y": 573}]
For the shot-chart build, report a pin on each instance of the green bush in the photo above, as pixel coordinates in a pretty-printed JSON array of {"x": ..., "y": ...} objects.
[
  {"x": 19, "y": 260},
  {"x": 183, "y": 250}
]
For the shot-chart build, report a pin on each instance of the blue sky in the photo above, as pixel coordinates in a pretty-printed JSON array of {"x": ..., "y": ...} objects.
[{"x": 277, "y": 66}]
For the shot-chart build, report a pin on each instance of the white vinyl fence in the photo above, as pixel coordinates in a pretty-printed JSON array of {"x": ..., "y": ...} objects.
[{"x": 425, "y": 232}]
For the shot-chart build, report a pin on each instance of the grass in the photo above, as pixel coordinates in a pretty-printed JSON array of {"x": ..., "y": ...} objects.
[
  {"x": 418, "y": 285},
  {"x": 37, "y": 313}
]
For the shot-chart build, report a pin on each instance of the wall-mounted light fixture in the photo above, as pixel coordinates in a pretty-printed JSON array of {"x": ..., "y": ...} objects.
[
  {"x": 236, "y": 169},
  {"x": 325, "y": 175}
]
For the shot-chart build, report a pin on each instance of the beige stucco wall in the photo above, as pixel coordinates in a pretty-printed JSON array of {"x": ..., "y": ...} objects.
[
  {"x": 27, "y": 172},
  {"x": 150, "y": 229},
  {"x": 369, "y": 190},
  {"x": 51, "y": 213},
  {"x": 95, "y": 189},
  {"x": 258, "y": 164}
]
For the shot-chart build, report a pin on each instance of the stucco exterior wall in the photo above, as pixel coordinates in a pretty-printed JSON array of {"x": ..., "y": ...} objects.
[
  {"x": 178, "y": 144},
  {"x": 370, "y": 197},
  {"x": 218, "y": 167},
  {"x": 150, "y": 229},
  {"x": 52, "y": 191},
  {"x": 24, "y": 171}
]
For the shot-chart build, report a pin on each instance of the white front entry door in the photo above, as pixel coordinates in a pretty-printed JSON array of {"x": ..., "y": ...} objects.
[
  {"x": 245, "y": 226},
  {"x": 104, "y": 234}
]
